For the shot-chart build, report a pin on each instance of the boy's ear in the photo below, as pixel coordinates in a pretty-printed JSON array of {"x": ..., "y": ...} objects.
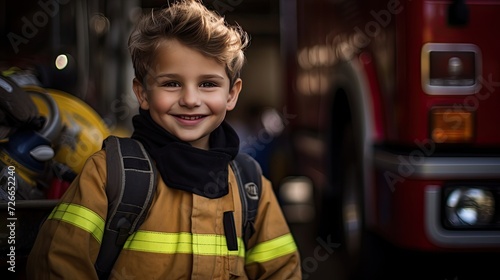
[
  {"x": 234, "y": 92},
  {"x": 141, "y": 94}
]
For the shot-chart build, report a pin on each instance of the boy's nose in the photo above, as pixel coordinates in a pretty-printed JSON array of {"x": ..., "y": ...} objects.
[{"x": 190, "y": 97}]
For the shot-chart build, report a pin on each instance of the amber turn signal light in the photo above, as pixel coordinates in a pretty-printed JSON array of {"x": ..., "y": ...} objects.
[{"x": 451, "y": 125}]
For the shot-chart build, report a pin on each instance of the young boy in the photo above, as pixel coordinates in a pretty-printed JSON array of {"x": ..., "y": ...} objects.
[{"x": 187, "y": 62}]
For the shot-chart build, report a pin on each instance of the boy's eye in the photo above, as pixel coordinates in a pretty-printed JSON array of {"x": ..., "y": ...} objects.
[
  {"x": 208, "y": 84},
  {"x": 170, "y": 84}
]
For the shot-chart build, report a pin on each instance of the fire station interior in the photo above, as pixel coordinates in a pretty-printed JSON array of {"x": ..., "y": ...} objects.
[{"x": 77, "y": 52}]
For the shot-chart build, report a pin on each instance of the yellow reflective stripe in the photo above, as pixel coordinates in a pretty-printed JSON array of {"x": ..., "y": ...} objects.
[
  {"x": 271, "y": 249},
  {"x": 81, "y": 217},
  {"x": 186, "y": 243}
]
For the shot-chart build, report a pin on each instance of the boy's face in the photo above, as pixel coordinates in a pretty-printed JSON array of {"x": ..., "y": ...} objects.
[{"x": 187, "y": 93}]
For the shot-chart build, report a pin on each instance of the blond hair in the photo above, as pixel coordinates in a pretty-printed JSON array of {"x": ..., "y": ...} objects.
[{"x": 192, "y": 24}]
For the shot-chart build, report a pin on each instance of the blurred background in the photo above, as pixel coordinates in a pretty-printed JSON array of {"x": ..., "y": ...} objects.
[{"x": 376, "y": 122}]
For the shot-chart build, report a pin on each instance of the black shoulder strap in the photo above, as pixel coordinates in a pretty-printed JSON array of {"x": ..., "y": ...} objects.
[
  {"x": 248, "y": 173},
  {"x": 128, "y": 166}
]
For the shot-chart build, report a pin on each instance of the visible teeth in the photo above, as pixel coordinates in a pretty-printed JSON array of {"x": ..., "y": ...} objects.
[{"x": 190, "y": 118}]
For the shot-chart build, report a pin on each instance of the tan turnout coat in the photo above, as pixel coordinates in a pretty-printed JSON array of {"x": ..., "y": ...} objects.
[{"x": 182, "y": 237}]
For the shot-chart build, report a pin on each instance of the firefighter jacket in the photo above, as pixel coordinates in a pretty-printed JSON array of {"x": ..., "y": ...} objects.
[{"x": 181, "y": 238}]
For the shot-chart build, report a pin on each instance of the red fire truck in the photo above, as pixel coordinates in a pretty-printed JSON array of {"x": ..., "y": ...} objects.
[{"x": 397, "y": 110}]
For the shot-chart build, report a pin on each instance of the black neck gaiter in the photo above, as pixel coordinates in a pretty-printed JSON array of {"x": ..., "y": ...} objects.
[{"x": 184, "y": 167}]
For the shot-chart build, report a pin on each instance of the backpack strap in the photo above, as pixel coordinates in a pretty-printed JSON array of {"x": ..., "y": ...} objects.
[
  {"x": 248, "y": 173},
  {"x": 130, "y": 188}
]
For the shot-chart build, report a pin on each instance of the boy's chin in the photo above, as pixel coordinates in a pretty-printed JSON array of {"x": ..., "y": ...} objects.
[{"x": 197, "y": 142}]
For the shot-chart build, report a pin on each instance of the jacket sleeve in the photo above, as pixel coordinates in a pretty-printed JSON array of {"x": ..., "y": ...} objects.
[
  {"x": 68, "y": 242},
  {"x": 272, "y": 252}
]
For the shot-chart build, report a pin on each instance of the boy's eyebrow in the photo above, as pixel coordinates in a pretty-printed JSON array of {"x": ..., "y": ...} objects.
[{"x": 176, "y": 76}]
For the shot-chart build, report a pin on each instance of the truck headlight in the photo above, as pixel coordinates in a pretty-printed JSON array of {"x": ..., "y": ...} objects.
[{"x": 469, "y": 207}]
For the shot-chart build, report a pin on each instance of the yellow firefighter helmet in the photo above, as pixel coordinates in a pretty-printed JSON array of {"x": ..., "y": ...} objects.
[{"x": 77, "y": 131}]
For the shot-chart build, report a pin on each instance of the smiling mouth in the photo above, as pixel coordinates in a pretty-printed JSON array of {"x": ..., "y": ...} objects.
[{"x": 190, "y": 118}]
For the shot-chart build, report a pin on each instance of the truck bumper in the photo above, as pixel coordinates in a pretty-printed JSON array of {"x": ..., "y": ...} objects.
[{"x": 409, "y": 200}]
